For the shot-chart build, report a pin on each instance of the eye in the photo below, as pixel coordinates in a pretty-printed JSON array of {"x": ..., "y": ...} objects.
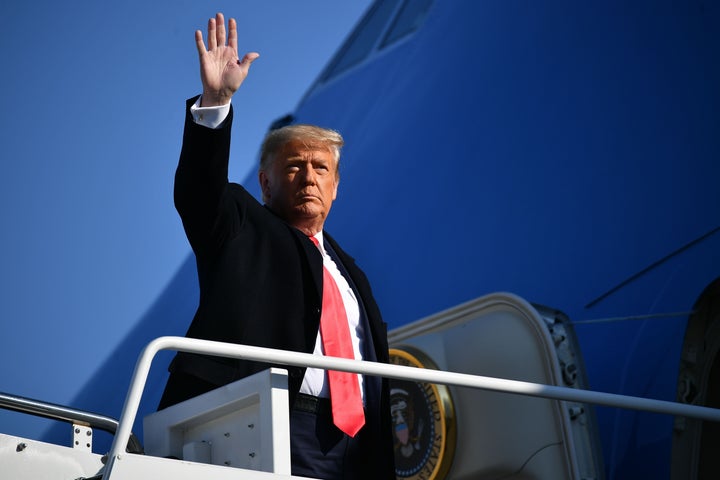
[{"x": 322, "y": 167}]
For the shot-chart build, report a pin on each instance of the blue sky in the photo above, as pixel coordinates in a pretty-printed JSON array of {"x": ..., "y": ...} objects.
[{"x": 91, "y": 131}]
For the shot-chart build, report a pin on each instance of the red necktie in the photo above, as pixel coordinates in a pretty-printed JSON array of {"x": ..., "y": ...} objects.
[{"x": 345, "y": 398}]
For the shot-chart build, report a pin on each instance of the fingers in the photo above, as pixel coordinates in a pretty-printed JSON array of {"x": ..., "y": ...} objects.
[
  {"x": 216, "y": 37},
  {"x": 232, "y": 34},
  {"x": 220, "y": 26},
  {"x": 212, "y": 40},
  {"x": 199, "y": 43}
]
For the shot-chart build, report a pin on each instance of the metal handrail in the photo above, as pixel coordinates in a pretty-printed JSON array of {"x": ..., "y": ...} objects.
[
  {"x": 66, "y": 414},
  {"x": 283, "y": 357}
]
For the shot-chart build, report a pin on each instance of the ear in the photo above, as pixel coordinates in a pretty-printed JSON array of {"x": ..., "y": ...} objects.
[
  {"x": 335, "y": 189},
  {"x": 264, "y": 184}
]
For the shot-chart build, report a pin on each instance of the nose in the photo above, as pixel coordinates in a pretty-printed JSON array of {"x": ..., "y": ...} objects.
[{"x": 308, "y": 174}]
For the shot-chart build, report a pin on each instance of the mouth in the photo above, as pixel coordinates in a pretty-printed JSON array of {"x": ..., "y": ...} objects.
[{"x": 307, "y": 197}]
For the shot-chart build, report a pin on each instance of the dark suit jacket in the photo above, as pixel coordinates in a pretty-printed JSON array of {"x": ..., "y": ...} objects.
[{"x": 260, "y": 279}]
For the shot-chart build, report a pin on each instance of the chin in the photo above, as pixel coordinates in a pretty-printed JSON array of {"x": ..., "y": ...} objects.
[{"x": 306, "y": 214}]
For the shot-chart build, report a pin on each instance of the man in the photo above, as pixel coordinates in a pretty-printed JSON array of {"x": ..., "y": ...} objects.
[{"x": 267, "y": 274}]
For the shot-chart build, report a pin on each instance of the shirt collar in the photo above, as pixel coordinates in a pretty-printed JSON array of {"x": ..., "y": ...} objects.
[{"x": 320, "y": 239}]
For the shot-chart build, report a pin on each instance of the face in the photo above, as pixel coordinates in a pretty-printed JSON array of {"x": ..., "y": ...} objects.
[{"x": 300, "y": 184}]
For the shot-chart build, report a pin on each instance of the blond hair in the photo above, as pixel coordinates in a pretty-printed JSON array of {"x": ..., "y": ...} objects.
[{"x": 310, "y": 134}]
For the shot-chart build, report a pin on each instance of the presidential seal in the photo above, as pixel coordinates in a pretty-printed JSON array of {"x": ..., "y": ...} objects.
[{"x": 423, "y": 421}]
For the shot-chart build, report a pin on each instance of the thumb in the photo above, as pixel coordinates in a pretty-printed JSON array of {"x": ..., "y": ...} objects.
[{"x": 248, "y": 59}]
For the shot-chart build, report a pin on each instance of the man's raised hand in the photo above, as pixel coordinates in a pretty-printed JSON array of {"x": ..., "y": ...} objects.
[{"x": 221, "y": 70}]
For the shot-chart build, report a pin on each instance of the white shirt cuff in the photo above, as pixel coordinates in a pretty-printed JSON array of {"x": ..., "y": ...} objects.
[{"x": 210, "y": 117}]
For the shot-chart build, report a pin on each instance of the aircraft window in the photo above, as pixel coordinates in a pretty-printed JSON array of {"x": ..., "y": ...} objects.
[
  {"x": 411, "y": 15},
  {"x": 364, "y": 38}
]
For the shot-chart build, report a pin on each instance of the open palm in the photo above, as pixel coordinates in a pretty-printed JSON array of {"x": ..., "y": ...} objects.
[{"x": 221, "y": 70}]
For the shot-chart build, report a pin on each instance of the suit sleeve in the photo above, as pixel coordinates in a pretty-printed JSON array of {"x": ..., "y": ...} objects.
[{"x": 201, "y": 181}]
